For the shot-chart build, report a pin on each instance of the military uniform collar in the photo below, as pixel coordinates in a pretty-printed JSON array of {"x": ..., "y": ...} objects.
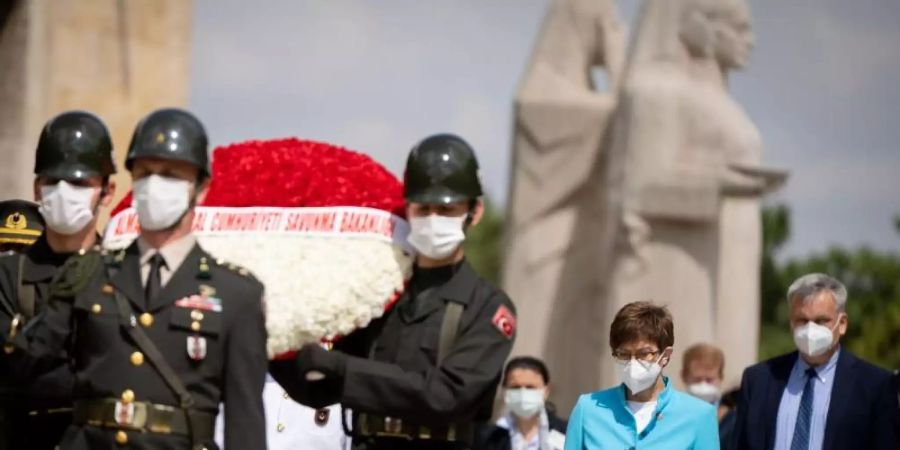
[
  {"x": 173, "y": 253},
  {"x": 128, "y": 278},
  {"x": 41, "y": 262},
  {"x": 459, "y": 288}
]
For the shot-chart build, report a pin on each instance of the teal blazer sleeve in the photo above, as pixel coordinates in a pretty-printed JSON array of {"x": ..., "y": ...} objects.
[
  {"x": 574, "y": 434},
  {"x": 708, "y": 431}
]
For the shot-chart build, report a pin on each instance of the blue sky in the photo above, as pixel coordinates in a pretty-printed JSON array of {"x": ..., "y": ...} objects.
[{"x": 823, "y": 85}]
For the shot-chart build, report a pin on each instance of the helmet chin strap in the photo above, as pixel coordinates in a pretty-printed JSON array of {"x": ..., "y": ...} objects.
[{"x": 470, "y": 214}]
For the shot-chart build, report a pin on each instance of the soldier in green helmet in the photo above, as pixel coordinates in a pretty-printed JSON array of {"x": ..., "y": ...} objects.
[
  {"x": 73, "y": 169},
  {"x": 424, "y": 375},
  {"x": 161, "y": 333}
]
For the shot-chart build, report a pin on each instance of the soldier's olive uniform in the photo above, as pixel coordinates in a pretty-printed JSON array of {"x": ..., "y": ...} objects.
[
  {"x": 151, "y": 370},
  {"x": 227, "y": 364},
  {"x": 424, "y": 376},
  {"x": 35, "y": 408}
]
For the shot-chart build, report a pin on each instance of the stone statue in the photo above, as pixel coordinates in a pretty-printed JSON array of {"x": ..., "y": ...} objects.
[
  {"x": 115, "y": 59},
  {"x": 554, "y": 209},
  {"x": 683, "y": 182}
]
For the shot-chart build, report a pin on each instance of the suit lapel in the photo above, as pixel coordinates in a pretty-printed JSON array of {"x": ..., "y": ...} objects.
[
  {"x": 840, "y": 390},
  {"x": 185, "y": 277},
  {"x": 127, "y": 279},
  {"x": 781, "y": 372}
]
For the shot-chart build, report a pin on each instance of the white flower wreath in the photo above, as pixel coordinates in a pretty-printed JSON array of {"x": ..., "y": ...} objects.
[{"x": 321, "y": 281}]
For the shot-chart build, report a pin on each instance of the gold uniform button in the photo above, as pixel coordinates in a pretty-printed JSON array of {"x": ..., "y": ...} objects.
[
  {"x": 96, "y": 308},
  {"x": 107, "y": 289},
  {"x": 195, "y": 325},
  {"x": 127, "y": 396},
  {"x": 121, "y": 438},
  {"x": 146, "y": 320},
  {"x": 137, "y": 358},
  {"x": 197, "y": 314}
]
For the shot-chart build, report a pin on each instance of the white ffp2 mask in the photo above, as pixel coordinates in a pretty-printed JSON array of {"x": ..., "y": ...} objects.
[
  {"x": 705, "y": 391},
  {"x": 637, "y": 375},
  {"x": 524, "y": 403},
  {"x": 813, "y": 339},
  {"x": 66, "y": 208},
  {"x": 161, "y": 201},
  {"x": 436, "y": 236}
]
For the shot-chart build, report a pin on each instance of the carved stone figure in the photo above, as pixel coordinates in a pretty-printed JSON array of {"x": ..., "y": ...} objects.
[
  {"x": 117, "y": 59},
  {"x": 684, "y": 181},
  {"x": 550, "y": 268}
]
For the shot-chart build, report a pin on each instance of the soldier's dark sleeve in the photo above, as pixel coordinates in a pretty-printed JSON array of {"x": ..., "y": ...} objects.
[
  {"x": 245, "y": 374},
  {"x": 44, "y": 342},
  {"x": 7, "y": 311},
  {"x": 452, "y": 391}
]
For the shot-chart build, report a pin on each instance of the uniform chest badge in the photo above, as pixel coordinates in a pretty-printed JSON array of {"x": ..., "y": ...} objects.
[
  {"x": 207, "y": 290},
  {"x": 196, "y": 347},
  {"x": 201, "y": 302},
  {"x": 124, "y": 413},
  {"x": 505, "y": 321},
  {"x": 322, "y": 415}
]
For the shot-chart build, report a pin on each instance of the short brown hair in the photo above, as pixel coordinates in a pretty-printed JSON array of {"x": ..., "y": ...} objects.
[
  {"x": 706, "y": 354},
  {"x": 642, "y": 320}
]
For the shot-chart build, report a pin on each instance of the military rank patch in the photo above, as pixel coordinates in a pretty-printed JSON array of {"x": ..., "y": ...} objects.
[
  {"x": 201, "y": 302},
  {"x": 505, "y": 321}
]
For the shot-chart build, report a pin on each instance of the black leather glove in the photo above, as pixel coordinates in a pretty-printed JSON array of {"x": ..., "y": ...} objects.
[{"x": 316, "y": 363}]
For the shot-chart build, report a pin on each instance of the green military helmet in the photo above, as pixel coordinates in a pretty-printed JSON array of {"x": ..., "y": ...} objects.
[
  {"x": 20, "y": 222},
  {"x": 172, "y": 134},
  {"x": 441, "y": 169},
  {"x": 74, "y": 145}
]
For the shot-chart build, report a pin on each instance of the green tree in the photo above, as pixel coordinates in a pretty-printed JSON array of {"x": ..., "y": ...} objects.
[
  {"x": 873, "y": 282},
  {"x": 774, "y": 338},
  {"x": 483, "y": 244}
]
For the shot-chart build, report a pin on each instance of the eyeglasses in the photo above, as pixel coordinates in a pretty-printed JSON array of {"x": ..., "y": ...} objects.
[{"x": 644, "y": 355}]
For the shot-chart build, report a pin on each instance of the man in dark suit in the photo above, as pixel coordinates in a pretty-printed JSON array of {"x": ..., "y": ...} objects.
[
  {"x": 161, "y": 333},
  {"x": 821, "y": 397}
]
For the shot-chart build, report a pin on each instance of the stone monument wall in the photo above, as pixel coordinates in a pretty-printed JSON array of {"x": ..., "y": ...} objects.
[{"x": 118, "y": 59}]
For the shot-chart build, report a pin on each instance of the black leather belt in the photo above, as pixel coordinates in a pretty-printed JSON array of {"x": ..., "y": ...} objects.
[
  {"x": 370, "y": 425},
  {"x": 143, "y": 416}
]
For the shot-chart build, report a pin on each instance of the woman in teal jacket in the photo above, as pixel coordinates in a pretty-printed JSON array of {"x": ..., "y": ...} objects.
[{"x": 645, "y": 411}]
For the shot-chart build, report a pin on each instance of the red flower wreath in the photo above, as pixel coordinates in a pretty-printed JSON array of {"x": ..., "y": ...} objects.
[{"x": 297, "y": 173}]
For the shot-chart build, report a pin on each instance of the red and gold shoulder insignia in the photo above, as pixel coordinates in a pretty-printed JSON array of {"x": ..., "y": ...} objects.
[{"x": 505, "y": 321}]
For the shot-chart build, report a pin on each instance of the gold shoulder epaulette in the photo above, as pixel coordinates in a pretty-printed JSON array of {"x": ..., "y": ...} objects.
[{"x": 234, "y": 268}]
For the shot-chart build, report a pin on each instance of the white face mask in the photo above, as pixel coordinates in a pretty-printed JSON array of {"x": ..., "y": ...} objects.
[
  {"x": 524, "y": 403},
  {"x": 638, "y": 375},
  {"x": 813, "y": 339},
  {"x": 705, "y": 391},
  {"x": 66, "y": 208},
  {"x": 161, "y": 201},
  {"x": 436, "y": 236}
]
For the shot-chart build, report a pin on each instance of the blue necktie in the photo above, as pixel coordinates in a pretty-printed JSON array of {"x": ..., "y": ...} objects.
[{"x": 804, "y": 415}]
